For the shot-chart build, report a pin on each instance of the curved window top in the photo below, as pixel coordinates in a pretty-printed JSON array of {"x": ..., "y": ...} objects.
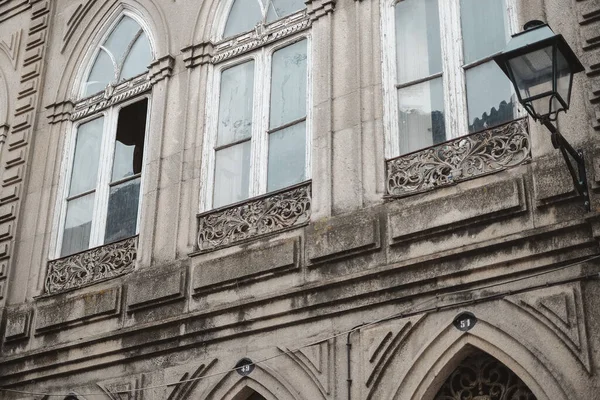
[
  {"x": 125, "y": 53},
  {"x": 246, "y": 14}
]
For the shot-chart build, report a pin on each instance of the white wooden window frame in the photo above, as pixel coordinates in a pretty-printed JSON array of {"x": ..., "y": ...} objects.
[
  {"x": 260, "y": 118},
  {"x": 109, "y": 132},
  {"x": 453, "y": 69},
  {"x": 103, "y": 179}
]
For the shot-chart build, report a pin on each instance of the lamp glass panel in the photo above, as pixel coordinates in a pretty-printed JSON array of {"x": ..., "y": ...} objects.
[
  {"x": 563, "y": 78},
  {"x": 532, "y": 74}
]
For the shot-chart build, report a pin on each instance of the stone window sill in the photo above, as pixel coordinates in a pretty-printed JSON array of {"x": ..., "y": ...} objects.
[
  {"x": 91, "y": 266},
  {"x": 237, "y": 223},
  {"x": 467, "y": 157}
]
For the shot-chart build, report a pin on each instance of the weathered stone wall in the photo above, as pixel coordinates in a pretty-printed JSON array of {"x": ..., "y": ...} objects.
[{"x": 495, "y": 245}]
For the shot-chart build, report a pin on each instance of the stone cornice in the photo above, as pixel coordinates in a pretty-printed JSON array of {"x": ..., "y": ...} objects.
[
  {"x": 319, "y": 8},
  {"x": 198, "y": 54},
  {"x": 161, "y": 68}
]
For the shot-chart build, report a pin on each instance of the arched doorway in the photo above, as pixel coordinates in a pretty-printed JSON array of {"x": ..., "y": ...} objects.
[
  {"x": 482, "y": 377},
  {"x": 255, "y": 396}
]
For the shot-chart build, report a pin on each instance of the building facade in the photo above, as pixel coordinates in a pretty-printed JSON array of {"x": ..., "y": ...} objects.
[{"x": 291, "y": 200}]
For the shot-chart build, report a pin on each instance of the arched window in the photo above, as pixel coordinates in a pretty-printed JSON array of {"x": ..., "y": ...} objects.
[
  {"x": 258, "y": 132},
  {"x": 440, "y": 79},
  {"x": 482, "y": 377},
  {"x": 104, "y": 167}
]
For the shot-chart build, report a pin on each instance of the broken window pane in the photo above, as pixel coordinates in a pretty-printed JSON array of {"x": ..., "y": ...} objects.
[
  {"x": 418, "y": 44},
  {"x": 235, "y": 104},
  {"x": 129, "y": 143},
  {"x": 138, "y": 59},
  {"x": 243, "y": 17},
  {"x": 87, "y": 155},
  {"x": 288, "y": 84},
  {"x": 78, "y": 225},
  {"x": 121, "y": 38},
  {"x": 102, "y": 73},
  {"x": 489, "y": 97},
  {"x": 121, "y": 219},
  {"x": 287, "y": 157},
  {"x": 280, "y": 8},
  {"x": 232, "y": 174}
]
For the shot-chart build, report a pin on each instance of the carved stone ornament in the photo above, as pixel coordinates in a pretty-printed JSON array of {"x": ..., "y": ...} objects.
[
  {"x": 111, "y": 96},
  {"x": 261, "y": 36},
  {"x": 274, "y": 212},
  {"x": 464, "y": 158},
  {"x": 91, "y": 266},
  {"x": 482, "y": 377}
]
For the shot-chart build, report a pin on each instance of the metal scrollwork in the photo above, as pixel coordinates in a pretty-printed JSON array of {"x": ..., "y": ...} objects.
[
  {"x": 272, "y": 213},
  {"x": 482, "y": 377},
  {"x": 464, "y": 158},
  {"x": 91, "y": 266}
]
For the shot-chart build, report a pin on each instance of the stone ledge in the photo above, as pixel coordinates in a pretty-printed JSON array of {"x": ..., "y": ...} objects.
[
  {"x": 342, "y": 237},
  {"x": 278, "y": 257},
  {"x": 500, "y": 199},
  {"x": 78, "y": 310},
  {"x": 157, "y": 290}
]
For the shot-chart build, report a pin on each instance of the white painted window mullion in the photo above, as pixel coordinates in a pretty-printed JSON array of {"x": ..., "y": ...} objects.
[
  {"x": 309, "y": 89},
  {"x": 455, "y": 101},
  {"x": 207, "y": 173},
  {"x": 258, "y": 126},
  {"x": 144, "y": 161}
]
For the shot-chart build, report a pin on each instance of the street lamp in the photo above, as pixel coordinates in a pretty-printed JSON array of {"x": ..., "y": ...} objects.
[{"x": 541, "y": 65}]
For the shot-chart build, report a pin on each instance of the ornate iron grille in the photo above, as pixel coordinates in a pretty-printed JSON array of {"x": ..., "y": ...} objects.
[
  {"x": 460, "y": 159},
  {"x": 482, "y": 377}
]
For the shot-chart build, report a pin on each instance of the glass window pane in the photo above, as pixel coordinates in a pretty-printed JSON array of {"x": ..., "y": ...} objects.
[
  {"x": 129, "y": 143},
  {"x": 281, "y": 8},
  {"x": 563, "y": 79},
  {"x": 288, "y": 84},
  {"x": 418, "y": 45},
  {"x": 421, "y": 115},
  {"x": 102, "y": 73},
  {"x": 87, "y": 155},
  {"x": 243, "y": 17},
  {"x": 78, "y": 225},
  {"x": 287, "y": 157},
  {"x": 138, "y": 59},
  {"x": 235, "y": 103},
  {"x": 121, "y": 219},
  {"x": 232, "y": 174},
  {"x": 483, "y": 28},
  {"x": 121, "y": 37},
  {"x": 489, "y": 97}
]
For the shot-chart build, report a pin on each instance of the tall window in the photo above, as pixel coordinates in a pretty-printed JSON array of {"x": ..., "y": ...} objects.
[
  {"x": 102, "y": 194},
  {"x": 258, "y": 134},
  {"x": 442, "y": 82}
]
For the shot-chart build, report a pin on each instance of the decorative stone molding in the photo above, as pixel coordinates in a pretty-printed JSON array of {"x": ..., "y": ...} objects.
[
  {"x": 11, "y": 47},
  {"x": 271, "y": 213},
  {"x": 10, "y": 8},
  {"x": 91, "y": 266},
  {"x": 60, "y": 111},
  {"x": 198, "y": 54},
  {"x": 262, "y": 35},
  {"x": 319, "y": 8},
  {"x": 161, "y": 68},
  {"x": 589, "y": 23},
  {"x": 74, "y": 21},
  {"x": 111, "y": 96},
  {"x": 460, "y": 159}
]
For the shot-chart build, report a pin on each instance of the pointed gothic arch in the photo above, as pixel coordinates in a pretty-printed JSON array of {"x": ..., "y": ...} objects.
[{"x": 481, "y": 376}]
